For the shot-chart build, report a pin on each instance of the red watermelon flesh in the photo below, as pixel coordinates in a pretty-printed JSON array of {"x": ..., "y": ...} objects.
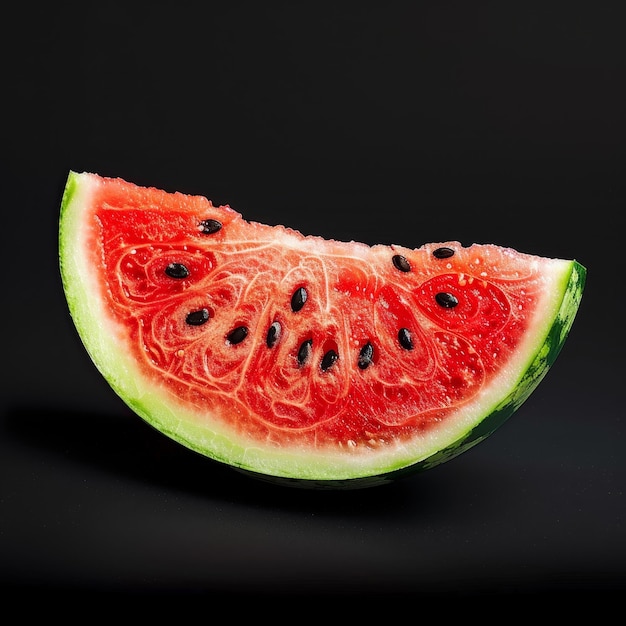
[{"x": 298, "y": 357}]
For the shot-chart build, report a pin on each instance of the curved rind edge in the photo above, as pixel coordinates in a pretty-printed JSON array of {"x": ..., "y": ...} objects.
[
  {"x": 534, "y": 374},
  {"x": 303, "y": 469}
]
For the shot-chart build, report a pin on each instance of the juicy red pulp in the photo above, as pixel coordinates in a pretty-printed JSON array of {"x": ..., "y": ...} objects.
[{"x": 241, "y": 276}]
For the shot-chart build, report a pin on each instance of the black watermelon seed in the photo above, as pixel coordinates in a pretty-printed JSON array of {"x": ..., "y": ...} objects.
[
  {"x": 273, "y": 334},
  {"x": 210, "y": 226},
  {"x": 197, "y": 318},
  {"x": 366, "y": 356},
  {"x": 237, "y": 335},
  {"x": 404, "y": 337},
  {"x": 176, "y": 270},
  {"x": 443, "y": 253},
  {"x": 298, "y": 299},
  {"x": 329, "y": 360},
  {"x": 446, "y": 300},
  {"x": 401, "y": 263},
  {"x": 305, "y": 351}
]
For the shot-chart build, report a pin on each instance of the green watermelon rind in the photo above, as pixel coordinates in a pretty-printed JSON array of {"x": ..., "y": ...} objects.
[
  {"x": 295, "y": 467},
  {"x": 572, "y": 286},
  {"x": 533, "y": 374}
]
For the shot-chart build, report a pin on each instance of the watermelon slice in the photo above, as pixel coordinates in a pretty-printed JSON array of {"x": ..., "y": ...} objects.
[{"x": 299, "y": 359}]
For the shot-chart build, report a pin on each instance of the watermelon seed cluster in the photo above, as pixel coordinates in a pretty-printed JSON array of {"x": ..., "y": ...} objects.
[
  {"x": 443, "y": 298},
  {"x": 298, "y": 299}
]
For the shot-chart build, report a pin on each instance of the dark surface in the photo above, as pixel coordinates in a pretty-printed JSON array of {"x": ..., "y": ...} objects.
[{"x": 497, "y": 123}]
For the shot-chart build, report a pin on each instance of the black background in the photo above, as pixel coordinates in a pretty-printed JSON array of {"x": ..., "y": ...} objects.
[{"x": 398, "y": 122}]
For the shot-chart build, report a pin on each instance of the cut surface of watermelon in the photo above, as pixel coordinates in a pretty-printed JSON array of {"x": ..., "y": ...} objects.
[{"x": 301, "y": 359}]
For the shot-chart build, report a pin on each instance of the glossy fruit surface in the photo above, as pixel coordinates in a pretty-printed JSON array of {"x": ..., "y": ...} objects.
[{"x": 297, "y": 358}]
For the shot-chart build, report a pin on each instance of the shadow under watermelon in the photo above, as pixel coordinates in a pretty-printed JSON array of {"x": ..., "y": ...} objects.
[{"x": 126, "y": 446}]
